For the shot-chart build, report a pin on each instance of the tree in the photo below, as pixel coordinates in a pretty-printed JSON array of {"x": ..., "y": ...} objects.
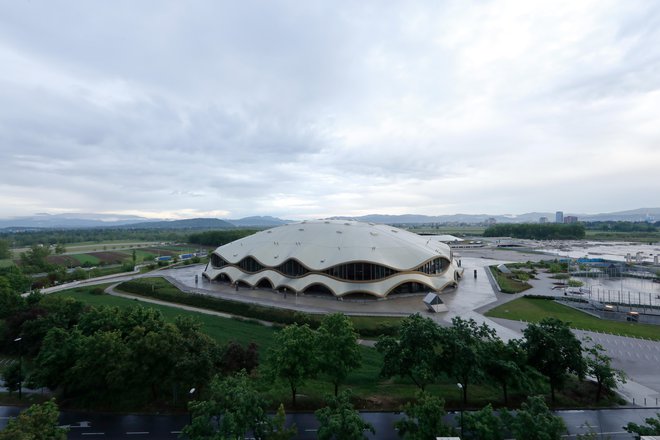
[
  {"x": 278, "y": 429},
  {"x": 60, "y": 249},
  {"x": 197, "y": 357},
  {"x": 59, "y": 351},
  {"x": 13, "y": 376},
  {"x": 5, "y": 253},
  {"x": 38, "y": 422},
  {"x": 339, "y": 352},
  {"x": 554, "y": 351},
  {"x": 236, "y": 358},
  {"x": 599, "y": 365},
  {"x": 534, "y": 421},
  {"x": 591, "y": 433},
  {"x": 101, "y": 369},
  {"x": 506, "y": 365},
  {"x": 652, "y": 427},
  {"x": 339, "y": 421},
  {"x": 151, "y": 358},
  {"x": 294, "y": 357},
  {"x": 18, "y": 281},
  {"x": 423, "y": 419},
  {"x": 463, "y": 345},
  {"x": 483, "y": 425},
  {"x": 10, "y": 300},
  {"x": 415, "y": 353},
  {"x": 233, "y": 408},
  {"x": 34, "y": 259}
]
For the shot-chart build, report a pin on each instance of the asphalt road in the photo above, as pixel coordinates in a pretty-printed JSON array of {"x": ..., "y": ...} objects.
[{"x": 153, "y": 427}]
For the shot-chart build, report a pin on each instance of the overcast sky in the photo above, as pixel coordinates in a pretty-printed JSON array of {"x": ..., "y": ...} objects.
[{"x": 308, "y": 109}]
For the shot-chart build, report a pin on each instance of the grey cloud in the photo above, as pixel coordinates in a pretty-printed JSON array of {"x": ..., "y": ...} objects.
[{"x": 320, "y": 108}]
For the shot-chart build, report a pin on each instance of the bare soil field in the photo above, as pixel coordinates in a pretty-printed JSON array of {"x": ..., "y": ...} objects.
[{"x": 63, "y": 260}]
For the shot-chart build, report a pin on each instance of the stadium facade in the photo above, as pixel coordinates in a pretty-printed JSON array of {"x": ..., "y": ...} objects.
[{"x": 339, "y": 258}]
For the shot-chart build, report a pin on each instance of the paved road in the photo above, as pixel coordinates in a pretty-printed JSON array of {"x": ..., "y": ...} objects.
[{"x": 110, "y": 426}]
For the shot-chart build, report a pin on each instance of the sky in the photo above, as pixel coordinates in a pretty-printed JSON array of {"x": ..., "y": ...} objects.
[{"x": 309, "y": 109}]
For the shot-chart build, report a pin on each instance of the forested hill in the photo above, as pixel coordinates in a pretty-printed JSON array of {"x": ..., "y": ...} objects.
[{"x": 193, "y": 223}]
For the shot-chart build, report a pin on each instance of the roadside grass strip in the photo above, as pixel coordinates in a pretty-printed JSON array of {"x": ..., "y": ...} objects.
[{"x": 534, "y": 310}]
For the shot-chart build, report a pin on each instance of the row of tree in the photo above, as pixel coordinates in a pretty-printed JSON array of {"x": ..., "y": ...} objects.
[
  {"x": 234, "y": 409},
  {"x": 471, "y": 353},
  {"x": 220, "y": 237},
  {"x": 621, "y": 226},
  {"x": 100, "y": 356},
  {"x": 240, "y": 411},
  {"x": 95, "y": 235},
  {"x": 537, "y": 231}
]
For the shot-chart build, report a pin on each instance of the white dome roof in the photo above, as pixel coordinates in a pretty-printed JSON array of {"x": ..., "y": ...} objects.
[
  {"x": 321, "y": 244},
  {"x": 343, "y": 256}
]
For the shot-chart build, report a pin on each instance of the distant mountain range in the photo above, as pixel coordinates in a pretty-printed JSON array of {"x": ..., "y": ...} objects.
[
  {"x": 73, "y": 221},
  {"x": 77, "y": 221},
  {"x": 641, "y": 214}
]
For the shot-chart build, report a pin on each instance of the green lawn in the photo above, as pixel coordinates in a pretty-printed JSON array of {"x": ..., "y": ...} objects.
[
  {"x": 534, "y": 310},
  {"x": 144, "y": 256},
  {"x": 6, "y": 263},
  {"x": 222, "y": 330},
  {"x": 86, "y": 258},
  {"x": 506, "y": 283}
]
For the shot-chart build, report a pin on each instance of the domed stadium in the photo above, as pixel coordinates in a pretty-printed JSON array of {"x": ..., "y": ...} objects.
[{"x": 341, "y": 258}]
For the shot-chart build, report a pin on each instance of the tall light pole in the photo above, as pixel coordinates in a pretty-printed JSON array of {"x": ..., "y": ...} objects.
[
  {"x": 191, "y": 395},
  {"x": 20, "y": 368},
  {"x": 460, "y": 390}
]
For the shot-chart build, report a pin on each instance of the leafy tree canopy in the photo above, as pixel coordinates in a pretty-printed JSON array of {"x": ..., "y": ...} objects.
[
  {"x": 339, "y": 352},
  {"x": 414, "y": 353},
  {"x": 339, "y": 421},
  {"x": 423, "y": 419},
  {"x": 554, "y": 351},
  {"x": 38, "y": 422}
]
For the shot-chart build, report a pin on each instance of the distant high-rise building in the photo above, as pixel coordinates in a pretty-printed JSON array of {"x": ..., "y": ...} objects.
[
  {"x": 543, "y": 219},
  {"x": 570, "y": 219},
  {"x": 559, "y": 217},
  {"x": 490, "y": 221}
]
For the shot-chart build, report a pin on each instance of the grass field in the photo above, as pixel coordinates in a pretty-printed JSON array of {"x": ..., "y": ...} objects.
[
  {"x": 6, "y": 263},
  {"x": 534, "y": 310},
  {"x": 86, "y": 258},
  {"x": 222, "y": 330},
  {"x": 141, "y": 255}
]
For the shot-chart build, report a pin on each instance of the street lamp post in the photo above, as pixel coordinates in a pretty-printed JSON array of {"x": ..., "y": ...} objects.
[
  {"x": 460, "y": 389},
  {"x": 20, "y": 368},
  {"x": 191, "y": 395}
]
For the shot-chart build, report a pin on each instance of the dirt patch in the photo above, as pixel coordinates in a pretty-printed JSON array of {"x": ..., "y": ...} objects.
[{"x": 63, "y": 260}]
